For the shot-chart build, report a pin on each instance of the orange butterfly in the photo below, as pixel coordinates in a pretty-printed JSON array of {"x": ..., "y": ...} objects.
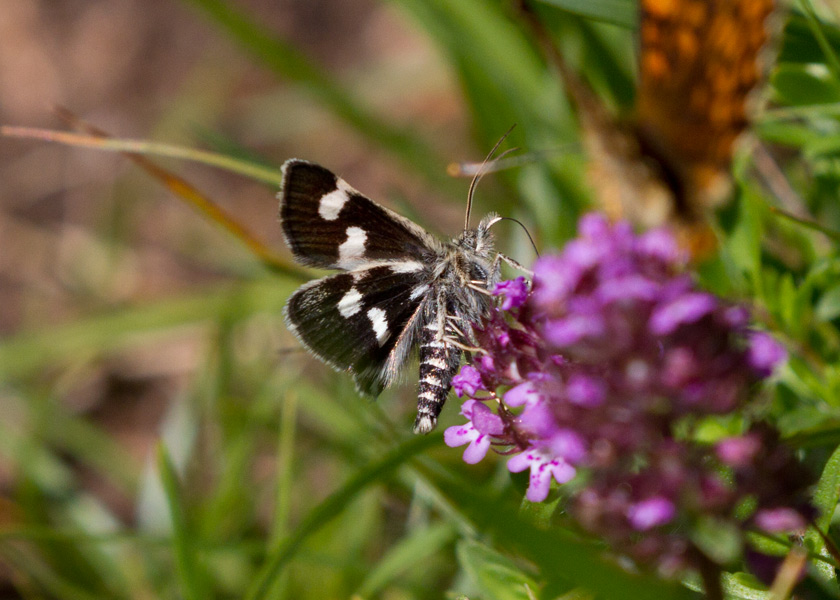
[{"x": 699, "y": 63}]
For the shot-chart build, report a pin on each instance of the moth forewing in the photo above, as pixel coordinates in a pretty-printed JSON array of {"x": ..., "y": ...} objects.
[
  {"x": 329, "y": 225},
  {"x": 402, "y": 287}
]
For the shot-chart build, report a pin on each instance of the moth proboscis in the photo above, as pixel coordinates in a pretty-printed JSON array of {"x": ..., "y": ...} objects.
[{"x": 400, "y": 286}]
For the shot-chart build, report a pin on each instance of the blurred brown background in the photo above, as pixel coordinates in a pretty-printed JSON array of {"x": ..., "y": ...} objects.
[{"x": 83, "y": 231}]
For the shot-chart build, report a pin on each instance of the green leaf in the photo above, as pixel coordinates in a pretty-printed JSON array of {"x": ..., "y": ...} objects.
[
  {"x": 719, "y": 540},
  {"x": 828, "y": 491},
  {"x": 825, "y": 146},
  {"x": 563, "y": 560},
  {"x": 806, "y": 84},
  {"x": 743, "y": 586},
  {"x": 828, "y": 306},
  {"x": 495, "y": 575},
  {"x": 788, "y": 134},
  {"x": 799, "y": 45},
  {"x": 624, "y": 13},
  {"x": 825, "y": 500}
]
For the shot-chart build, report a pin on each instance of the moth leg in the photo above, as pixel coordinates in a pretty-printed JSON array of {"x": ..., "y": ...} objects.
[
  {"x": 474, "y": 285},
  {"x": 466, "y": 336},
  {"x": 452, "y": 327},
  {"x": 441, "y": 315},
  {"x": 516, "y": 265},
  {"x": 464, "y": 347}
]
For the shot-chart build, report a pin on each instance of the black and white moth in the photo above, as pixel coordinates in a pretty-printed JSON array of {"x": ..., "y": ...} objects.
[{"x": 401, "y": 286}]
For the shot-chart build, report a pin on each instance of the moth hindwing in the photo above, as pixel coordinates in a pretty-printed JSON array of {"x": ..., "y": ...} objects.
[{"x": 400, "y": 288}]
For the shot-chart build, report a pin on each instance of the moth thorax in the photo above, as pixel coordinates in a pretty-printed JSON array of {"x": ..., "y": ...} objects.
[{"x": 469, "y": 269}]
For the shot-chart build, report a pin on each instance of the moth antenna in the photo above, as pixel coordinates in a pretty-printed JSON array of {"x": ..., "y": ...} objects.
[
  {"x": 469, "y": 168},
  {"x": 480, "y": 173},
  {"x": 522, "y": 225}
]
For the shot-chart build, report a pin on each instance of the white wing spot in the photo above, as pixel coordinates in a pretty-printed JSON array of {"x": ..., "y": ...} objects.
[
  {"x": 350, "y": 303},
  {"x": 353, "y": 249},
  {"x": 331, "y": 204},
  {"x": 409, "y": 266},
  {"x": 379, "y": 323}
]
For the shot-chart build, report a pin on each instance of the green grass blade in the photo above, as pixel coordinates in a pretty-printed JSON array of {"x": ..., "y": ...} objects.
[
  {"x": 185, "y": 548},
  {"x": 246, "y": 168},
  {"x": 502, "y": 73},
  {"x": 288, "y": 62},
  {"x": 505, "y": 81},
  {"x": 830, "y": 56},
  {"x": 47, "y": 579},
  {"x": 29, "y": 352},
  {"x": 332, "y": 506},
  {"x": 285, "y": 465},
  {"x": 405, "y": 555}
]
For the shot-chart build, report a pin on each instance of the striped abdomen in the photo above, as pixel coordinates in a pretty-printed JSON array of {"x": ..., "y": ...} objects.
[{"x": 439, "y": 363}]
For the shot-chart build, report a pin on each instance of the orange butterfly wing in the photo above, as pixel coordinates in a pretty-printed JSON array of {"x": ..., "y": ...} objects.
[{"x": 699, "y": 62}]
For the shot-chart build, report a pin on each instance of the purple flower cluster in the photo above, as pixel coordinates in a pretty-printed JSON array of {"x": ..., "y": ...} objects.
[{"x": 607, "y": 366}]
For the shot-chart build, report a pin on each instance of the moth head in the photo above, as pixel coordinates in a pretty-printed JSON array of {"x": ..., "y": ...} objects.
[{"x": 480, "y": 239}]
